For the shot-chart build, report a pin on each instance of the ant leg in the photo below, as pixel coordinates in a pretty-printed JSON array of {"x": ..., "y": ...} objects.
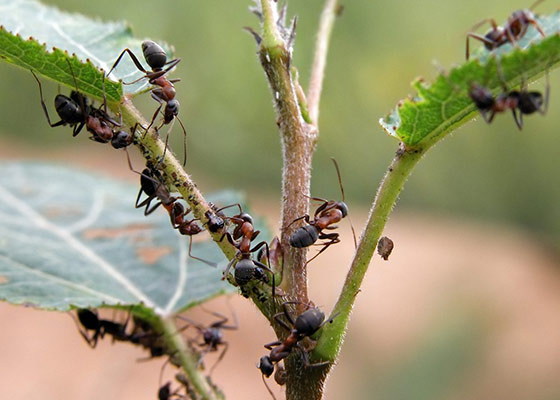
[
  {"x": 476, "y": 36},
  {"x": 268, "y": 388},
  {"x": 184, "y": 140},
  {"x": 149, "y": 210},
  {"x": 222, "y": 354},
  {"x": 269, "y": 346},
  {"x": 156, "y": 74},
  {"x": 230, "y": 264},
  {"x": 489, "y": 119},
  {"x": 231, "y": 205},
  {"x": 210, "y": 263},
  {"x": 537, "y": 26},
  {"x": 308, "y": 364},
  {"x": 518, "y": 119},
  {"x": 77, "y": 129},
  {"x": 59, "y": 123},
  {"x": 134, "y": 60},
  {"x": 304, "y": 217},
  {"x": 333, "y": 240},
  {"x": 544, "y": 107}
]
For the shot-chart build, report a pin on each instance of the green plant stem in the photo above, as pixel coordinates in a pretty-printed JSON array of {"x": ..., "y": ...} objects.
[
  {"x": 392, "y": 184},
  {"x": 188, "y": 360},
  {"x": 326, "y": 24}
]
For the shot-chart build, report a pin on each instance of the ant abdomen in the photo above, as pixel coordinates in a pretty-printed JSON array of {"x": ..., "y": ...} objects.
[
  {"x": 154, "y": 54},
  {"x": 68, "y": 110},
  {"x": 304, "y": 236},
  {"x": 309, "y": 321}
]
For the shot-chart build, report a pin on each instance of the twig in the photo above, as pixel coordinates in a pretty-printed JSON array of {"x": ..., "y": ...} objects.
[{"x": 321, "y": 49}]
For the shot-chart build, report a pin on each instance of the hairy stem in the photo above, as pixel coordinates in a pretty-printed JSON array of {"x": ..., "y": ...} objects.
[
  {"x": 298, "y": 142},
  {"x": 330, "y": 341}
]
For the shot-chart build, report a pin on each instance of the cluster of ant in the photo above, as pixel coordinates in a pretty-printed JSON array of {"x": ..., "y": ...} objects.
[
  {"x": 144, "y": 334},
  {"x": 522, "y": 101},
  {"x": 77, "y": 111}
]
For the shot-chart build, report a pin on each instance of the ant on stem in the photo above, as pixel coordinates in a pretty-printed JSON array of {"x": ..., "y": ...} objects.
[
  {"x": 77, "y": 112},
  {"x": 164, "y": 92},
  {"x": 514, "y": 29},
  {"x": 246, "y": 269},
  {"x": 213, "y": 335},
  {"x": 327, "y": 214}
]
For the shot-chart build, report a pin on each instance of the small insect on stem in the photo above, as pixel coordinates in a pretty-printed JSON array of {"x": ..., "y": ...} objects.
[
  {"x": 164, "y": 90},
  {"x": 327, "y": 214}
]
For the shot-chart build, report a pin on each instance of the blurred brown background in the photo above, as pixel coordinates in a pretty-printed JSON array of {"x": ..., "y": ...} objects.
[{"x": 465, "y": 308}]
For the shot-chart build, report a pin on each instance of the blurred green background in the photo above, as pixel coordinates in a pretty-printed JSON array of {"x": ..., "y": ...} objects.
[{"x": 484, "y": 172}]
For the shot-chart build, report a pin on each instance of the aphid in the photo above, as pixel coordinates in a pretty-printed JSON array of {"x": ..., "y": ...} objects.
[{"x": 514, "y": 29}]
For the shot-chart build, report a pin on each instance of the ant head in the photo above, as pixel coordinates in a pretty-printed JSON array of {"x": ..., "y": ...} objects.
[
  {"x": 309, "y": 321},
  {"x": 121, "y": 139},
  {"x": 481, "y": 96},
  {"x": 493, "y": 36},
  {"x": 154, "y": 54},
  {"x": 172, "y": 107},
  {"x": 215, "y": 223},
  {"x": 343, "y": 208},
  {"x": 246, "y": 217},
  {"x": 266, "y": 366}
]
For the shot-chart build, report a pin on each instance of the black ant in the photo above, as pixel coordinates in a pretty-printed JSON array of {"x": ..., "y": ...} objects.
[
  {"x": 151, "y": 183},
  {"x": 91, "y": 322},
  {"x": 527, "y": 102},
  {"x": 164, "y": 393},
  {"x": 514, "y": 29},
  {"x": 165, "y": 92},
  {"x": 305, "y": 325},
  {"x": 246, "y": 269},
  {"x": 77, "y": 112},
  {"x": 213, "y": 335},
  {"x": 327, "y": 214}
]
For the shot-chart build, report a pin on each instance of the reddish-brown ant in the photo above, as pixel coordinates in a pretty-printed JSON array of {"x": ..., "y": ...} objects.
[
  {"x": 77, "y": 112},
  {"x": 246, "y": 269},
  {"x": 305, "y": 325},
  {"x": 164, "y": 93},
  {"x": 327, "y": 214},
  {"x": 524, "y": 101},
  {"x": 514, "y": 29},
  {"x": 213, "y": 335}
]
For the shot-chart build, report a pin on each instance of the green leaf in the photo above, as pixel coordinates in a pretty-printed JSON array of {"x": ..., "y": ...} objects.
[
  {"x": 72, "y": 239},
  {"x": 441, "y": 107},
  {"x": 38, "y": 37}
]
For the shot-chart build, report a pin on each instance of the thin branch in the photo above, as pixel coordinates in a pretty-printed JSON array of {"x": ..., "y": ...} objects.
[
  {"x": 391, "y": 186},
  {"x": 320, "y": 61}
]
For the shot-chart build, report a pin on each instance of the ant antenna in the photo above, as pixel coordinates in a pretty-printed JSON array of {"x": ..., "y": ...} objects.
[
  {"x": 267, "y": 387},
  {"x": 342, "y": 191}
]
